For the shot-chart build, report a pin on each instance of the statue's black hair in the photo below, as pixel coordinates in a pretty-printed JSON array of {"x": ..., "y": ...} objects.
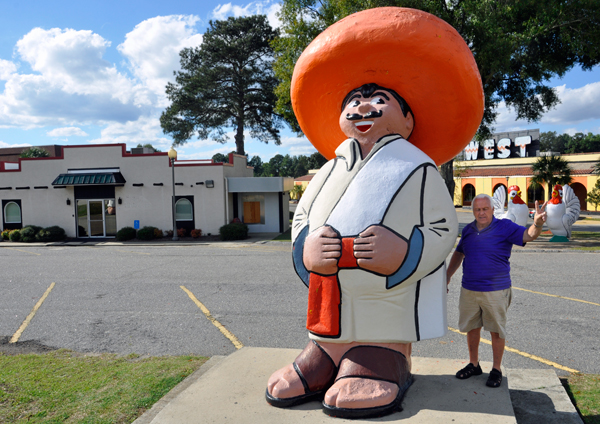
[{"x": 367, "y": 90}]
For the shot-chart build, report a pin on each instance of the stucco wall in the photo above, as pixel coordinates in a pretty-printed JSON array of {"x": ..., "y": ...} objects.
[
  {"x": 149, "y": 204},
  {"x": 271, "y": 224}
]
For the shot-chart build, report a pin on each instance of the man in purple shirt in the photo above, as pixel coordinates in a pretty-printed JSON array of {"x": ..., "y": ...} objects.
[{"x": 484, "y": 251}]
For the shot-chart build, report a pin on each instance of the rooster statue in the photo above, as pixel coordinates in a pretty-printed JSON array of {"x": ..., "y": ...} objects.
[
  {"x": 563, "y": 210},
  {"x": 517, "y": 210}
]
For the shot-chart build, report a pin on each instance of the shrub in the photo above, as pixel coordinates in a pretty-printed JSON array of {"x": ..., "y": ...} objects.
[
  {"x": 236, "y": 231},
  {"x": 126, "y": 233},
  {"x": 158, "y": 233},
  {"x": 181, "y": 232},
  {"x": 169, "y": 233},
  {"x": 28, "y": 233},
  {"x": 54, "y": 233},
  {"x": 196, "y": 233},
  {"x": 15, "y": 235},
  {"x": 146, "y": 233},
  {"x": 5, "y": 234}
]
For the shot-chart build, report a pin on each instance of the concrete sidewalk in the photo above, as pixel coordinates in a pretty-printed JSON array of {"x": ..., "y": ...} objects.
[
  {"x": 231, "y": 390},
  {"x": 253, "y": 238}
]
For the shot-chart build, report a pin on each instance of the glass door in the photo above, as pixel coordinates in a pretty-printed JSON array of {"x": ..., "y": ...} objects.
[
  {"x": 82, "y": 218},
  {"x": 96, "y": 218}
]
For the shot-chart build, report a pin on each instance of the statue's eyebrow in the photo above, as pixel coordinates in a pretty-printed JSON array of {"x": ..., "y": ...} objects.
[
  {"x": 356, "y": 96},
  {"x": 380, "y": 93}
]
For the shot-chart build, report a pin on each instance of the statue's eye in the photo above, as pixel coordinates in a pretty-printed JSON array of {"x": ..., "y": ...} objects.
[
  {"x": 377, "y": 101},
  {"x": 354, "y": 103}
]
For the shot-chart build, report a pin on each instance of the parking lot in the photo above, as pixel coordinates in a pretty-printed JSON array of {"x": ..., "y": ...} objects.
[{"x": 212, "y": 299}]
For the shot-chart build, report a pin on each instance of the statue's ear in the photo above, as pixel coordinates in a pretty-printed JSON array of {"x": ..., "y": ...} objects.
[{"x": 409, "y": 124}]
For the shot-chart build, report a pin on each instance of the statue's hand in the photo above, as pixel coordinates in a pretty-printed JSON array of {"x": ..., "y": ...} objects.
[
  {"x": 379, "y": 250},
  {"x": 322, "y": 250}
]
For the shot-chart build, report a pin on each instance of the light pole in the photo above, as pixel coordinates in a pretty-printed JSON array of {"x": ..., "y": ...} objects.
[
  {"x": 507, "y": 191},
  {"x": 173, "y": 155}
]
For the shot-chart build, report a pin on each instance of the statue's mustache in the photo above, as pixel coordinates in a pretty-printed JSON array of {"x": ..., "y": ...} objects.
[{"x": 358, "y": 116}]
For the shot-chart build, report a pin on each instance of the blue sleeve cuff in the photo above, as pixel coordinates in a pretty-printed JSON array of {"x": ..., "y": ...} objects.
[
  {"x": 410, "y": 264},
  {"x": 297, "y": 254}
]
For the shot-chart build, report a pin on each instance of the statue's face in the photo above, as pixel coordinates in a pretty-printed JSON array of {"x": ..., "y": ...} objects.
[
  {"x": 367, "y": 119},
  {"x": 557, "y": 192}
]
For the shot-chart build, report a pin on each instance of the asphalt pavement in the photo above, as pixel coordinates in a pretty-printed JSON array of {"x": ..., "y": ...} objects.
[{"x": 130, "y": 298}]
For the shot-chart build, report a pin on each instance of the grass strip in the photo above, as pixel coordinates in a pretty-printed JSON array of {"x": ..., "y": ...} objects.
[
  {"x": 584, "y": 391},
  {"x": 65, "y": 387},
  {"x": 576, "y": 235},
  {"x": 285, "y": 236}
]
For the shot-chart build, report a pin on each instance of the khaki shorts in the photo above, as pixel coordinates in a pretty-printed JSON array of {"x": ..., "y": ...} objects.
[{"x": 484, "y": 309}]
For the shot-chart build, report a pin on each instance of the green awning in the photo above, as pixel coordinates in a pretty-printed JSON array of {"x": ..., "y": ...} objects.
[{"x": 96, "y": 178}]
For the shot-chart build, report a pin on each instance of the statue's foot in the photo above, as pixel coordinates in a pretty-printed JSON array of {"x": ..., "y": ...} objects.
[
  {"x": 307, "y": 379},
  {"x": 371, "y": 382}
]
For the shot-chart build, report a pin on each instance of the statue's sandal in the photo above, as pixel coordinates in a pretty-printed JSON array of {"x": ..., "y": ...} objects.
[
  {"x": 317, "y": 372},
  {"x": 375, "y": 363}
]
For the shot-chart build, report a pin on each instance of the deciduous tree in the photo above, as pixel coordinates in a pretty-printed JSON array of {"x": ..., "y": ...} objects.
[
  {"x": 220, "y": 158},
  {"x": 35, "y": 152},
  {"x": 225, "y": 82},
  {"x": 552, "y": 142},
  {"x": 593, "y": 196},
  {"x": 257, "y": 163},
  {"x": 583, "y": 143},
  {"x": 518, "y": 45}
]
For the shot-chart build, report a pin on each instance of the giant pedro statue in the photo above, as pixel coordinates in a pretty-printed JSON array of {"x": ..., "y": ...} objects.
[{"x": 388, "y": 94}]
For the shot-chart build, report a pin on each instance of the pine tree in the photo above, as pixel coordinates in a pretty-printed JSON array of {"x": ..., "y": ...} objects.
[{"x": 226, "y": 82}]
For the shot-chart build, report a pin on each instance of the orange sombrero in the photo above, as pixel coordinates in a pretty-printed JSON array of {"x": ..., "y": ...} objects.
[{"x": 412, "y": 52}]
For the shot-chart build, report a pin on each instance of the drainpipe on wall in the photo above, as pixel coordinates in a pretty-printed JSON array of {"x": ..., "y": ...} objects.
[{"x": 226, "y": 200}]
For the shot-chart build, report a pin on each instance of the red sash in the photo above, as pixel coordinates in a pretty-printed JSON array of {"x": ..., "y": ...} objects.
[{"x": 324, "y": 296}]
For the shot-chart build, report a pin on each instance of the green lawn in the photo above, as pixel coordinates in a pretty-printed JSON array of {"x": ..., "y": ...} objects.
[
  {"x": 585, "y": 235},
  {"x": 589, "y": 218},
  {"x": 584, "y": 391},
  {"x": 285, "y": 236},
  {"x": 64, "y": 387}
]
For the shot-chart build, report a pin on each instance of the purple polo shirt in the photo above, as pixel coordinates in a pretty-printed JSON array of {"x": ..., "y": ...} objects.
[{"x": 486, "y": 266}]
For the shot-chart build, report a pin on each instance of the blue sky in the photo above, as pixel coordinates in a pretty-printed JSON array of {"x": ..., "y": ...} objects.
[{"x": 94, "y": 72}]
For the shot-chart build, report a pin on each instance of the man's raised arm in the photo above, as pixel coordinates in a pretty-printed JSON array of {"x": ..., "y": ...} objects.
[{"x": 539, "y": 218}]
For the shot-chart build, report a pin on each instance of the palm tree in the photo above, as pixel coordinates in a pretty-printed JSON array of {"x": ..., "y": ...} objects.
[{"x": 551, "y": 170}]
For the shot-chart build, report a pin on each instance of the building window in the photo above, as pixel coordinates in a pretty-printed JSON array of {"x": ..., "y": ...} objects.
[
  {"x": 253, "y": 208},
  {"x": 184, "y": 210},
  {"x": 12, "y": 213},
  {"x": 468, "y": 194}
]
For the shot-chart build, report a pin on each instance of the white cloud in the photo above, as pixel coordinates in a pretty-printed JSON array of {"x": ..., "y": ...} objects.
[
  {"x": 144, "y": 130},
  {"x": 571, "y": 131},
  {"x": 71, "y": 84},
  {"x": 3, "y": 145},
  {"x": 266, "y": 7},
  {"x": 298, "y": 146},
  {"x": 67, "y": 132},
  {"x": 72, "y": 60},
  {"x": 152, "y": 49},
  {"x": 577, "y": 106},
  {"x": 184, "y": 153},
  {"x": 198, "y": 144},
  {"x": 7, "y": 68}
]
